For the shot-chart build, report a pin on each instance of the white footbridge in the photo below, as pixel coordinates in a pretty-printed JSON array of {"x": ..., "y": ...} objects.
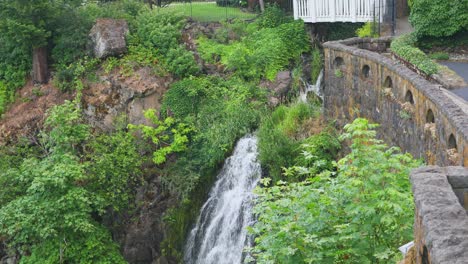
[{"x": 317, "y": 11}]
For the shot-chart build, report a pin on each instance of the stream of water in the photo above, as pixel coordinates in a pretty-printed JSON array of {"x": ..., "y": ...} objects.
[{"x": 220, "y": 234}]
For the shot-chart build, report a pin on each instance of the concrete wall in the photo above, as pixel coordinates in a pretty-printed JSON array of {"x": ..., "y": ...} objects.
[{"x": 373, "y": 86}]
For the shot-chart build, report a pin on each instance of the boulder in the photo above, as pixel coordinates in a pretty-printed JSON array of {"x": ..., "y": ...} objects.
[
  {"x": 278, "y": 88},
  {"x": 108, "y": 37}
]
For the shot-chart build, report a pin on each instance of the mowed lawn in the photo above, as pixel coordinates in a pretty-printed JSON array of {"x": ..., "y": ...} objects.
[{"x": 207, "y": 12}]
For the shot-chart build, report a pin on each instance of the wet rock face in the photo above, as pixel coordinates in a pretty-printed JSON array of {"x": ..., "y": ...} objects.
[
  {"x": 141, "y": 233},
  {"x": 108, "y": 36}
]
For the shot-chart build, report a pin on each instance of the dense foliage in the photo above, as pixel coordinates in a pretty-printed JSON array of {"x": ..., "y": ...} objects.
[
  {"x": 281, "y": 134},
  {"x": 359, "y": 214},
  {"x": 64, "y": 26},
  {"x": 55, "y": 197},
  {"x": 368, "y": 30},
  {"x": 317, "y": 64},
  {"x": 262, "y": 53},
  {"x": 404, "y": 47},
  {"x": 439, "y": 18}
]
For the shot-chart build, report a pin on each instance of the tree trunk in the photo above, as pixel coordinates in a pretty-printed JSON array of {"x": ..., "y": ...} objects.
[
  {"x": 262, "y": 5},
  {"x": 40, "y": 66},
  {"x": 251, "y": 4}
]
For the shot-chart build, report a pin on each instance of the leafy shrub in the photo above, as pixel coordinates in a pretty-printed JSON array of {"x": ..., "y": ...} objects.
[
  {"x": 68, "y": 77},
  {"x": 276, "y": 150},
  {"x": 273, "y": 16},
  {"x": 279, "y": 137},
  {"x": 231, "y": 31},
  {"x": 114, "y": 166},
  {"x": 184, "y": 97},
  {"x": 70, "y": 37},
  {"x": 438, "y": 18},
  {"x": 159, "y": 30},
  {"x": 167, "y": 135},
  {"x": 360, "y": 215},
  {"x": 368, "y": 30},
  {"x": 403, "y": 47},
  {"x": 319, "y": 153},
  {"x": 15, "y": 65},
  {"x": 181, "y": 62},
  {"x": 5, "y": 97}
]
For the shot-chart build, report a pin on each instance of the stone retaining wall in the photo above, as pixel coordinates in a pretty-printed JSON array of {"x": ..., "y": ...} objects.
[
  {"x": 361, "y": 80},
  {"x": 441, "y": 222}
]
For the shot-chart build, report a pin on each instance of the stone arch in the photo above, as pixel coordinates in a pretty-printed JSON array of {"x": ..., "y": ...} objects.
[
  {"x": 388, "y": 83},
  {"x": 366, "y": 71},
  {"x": 430, "y": 118},
  {"x": 409, "y": 97},
  {"x": 452, "y": 142}
]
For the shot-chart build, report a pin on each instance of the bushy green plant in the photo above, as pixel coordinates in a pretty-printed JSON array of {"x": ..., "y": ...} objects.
[
  {"x": 114, "y": 165},
  {"x": 159, "y": 30},
  {"x": 15, "y": 64},
  {"x": 181, "y": 62},
  {"x": 168, "y": 135},
  {"x": 184, "y": 97},
  {"x": 279, "y": 138},
  {"x": 276, "y": 150},
  {"x": 438, "y": 18},
  {"x": 368, "y": 30},
  {"x": 69, "y": 77},
  {"x": 319, "y": 153},
  {"x": 231, "y": 31},
  {"x": 404, "y": 47},
  {"x": 273, "y": 16},
  {"x": 361, "y": 214}
]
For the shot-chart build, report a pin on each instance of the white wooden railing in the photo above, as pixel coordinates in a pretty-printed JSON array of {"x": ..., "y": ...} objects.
[{"x": 315, "y": 11}]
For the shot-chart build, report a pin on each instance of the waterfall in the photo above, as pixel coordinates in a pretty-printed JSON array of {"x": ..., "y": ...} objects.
[
  {"x": 220, "y": 233},
  {"x": 315, "y": 88}
]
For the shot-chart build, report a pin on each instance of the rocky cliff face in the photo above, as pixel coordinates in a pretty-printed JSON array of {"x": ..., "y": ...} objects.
[{"x": 115, "y": 96}]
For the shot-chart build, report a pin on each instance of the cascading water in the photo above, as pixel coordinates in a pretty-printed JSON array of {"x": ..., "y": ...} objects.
[
  {"x": 315, "y": 88},
  {"x": 220, "y": 234}
]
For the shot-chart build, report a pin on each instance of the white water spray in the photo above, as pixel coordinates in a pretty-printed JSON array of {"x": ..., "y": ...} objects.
[
  {"x": 220, "y": 234},
  {"x": 314, "y": 88}
]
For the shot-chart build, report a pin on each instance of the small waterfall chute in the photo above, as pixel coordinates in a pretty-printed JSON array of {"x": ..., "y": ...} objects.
[
  {"x": 314, "y": 88},
  {"x": 220, "y": 233}
]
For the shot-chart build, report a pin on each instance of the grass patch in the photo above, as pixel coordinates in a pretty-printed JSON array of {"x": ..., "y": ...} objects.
[
  {"x": 439, "y": 56},
  {"x": 207, "y": 12}
]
